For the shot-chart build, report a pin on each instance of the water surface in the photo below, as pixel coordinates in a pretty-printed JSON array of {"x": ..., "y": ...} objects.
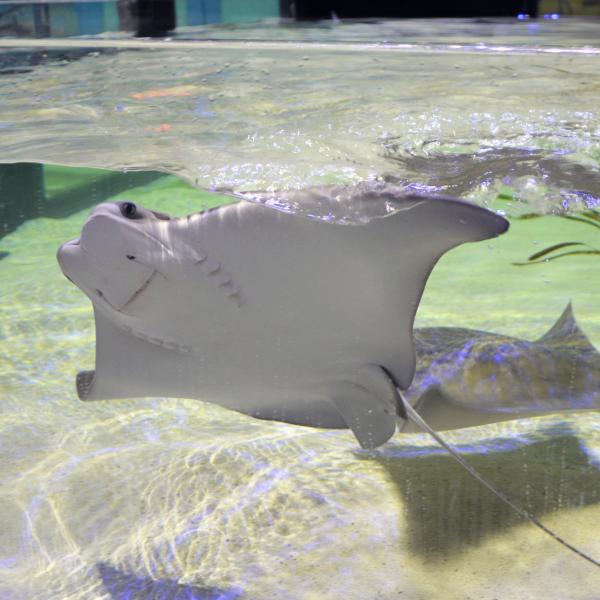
[{"x": 462, "y": 118}]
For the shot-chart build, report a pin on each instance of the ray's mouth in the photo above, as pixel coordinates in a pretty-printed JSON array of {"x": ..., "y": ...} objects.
[
  {"x": 140, "y": 290},
  {"x": 133, "y": 297}
]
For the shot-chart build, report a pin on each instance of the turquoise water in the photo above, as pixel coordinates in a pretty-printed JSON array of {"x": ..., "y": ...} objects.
[{"x": 164, "y": 498}]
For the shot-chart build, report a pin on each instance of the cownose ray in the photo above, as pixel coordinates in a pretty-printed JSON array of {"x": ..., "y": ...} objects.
[
  {"x": 271, "y": 313},
  {"x": 467, "y": 377}
]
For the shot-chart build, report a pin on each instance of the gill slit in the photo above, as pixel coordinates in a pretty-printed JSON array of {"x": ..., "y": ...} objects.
[{"x": 219, "y": 277}]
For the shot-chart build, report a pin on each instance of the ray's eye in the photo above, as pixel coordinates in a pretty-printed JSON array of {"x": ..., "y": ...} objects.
[{"x": 129, "y": 210}]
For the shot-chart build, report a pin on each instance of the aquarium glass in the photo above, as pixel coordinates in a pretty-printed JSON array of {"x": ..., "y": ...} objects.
[{"x": 162, "y": 497}]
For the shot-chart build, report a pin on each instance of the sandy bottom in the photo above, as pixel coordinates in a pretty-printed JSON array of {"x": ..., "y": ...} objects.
[{"x": 173, "y": 499}]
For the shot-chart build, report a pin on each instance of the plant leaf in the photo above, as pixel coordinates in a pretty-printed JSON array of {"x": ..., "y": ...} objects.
[
  {"x": 529, "y": 216},
  {"x": 581, "y": 220},
  {"x": 562, "y": 255},
  {"x": 591, "y": 214},
  {"x": 549, "y": 249}
]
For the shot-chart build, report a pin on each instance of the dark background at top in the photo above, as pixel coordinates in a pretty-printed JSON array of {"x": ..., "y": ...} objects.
[{"x": 362, "y": 9}]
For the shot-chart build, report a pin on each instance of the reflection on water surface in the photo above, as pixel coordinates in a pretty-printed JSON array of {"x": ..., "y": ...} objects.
[{"x": 231, "y": 114}]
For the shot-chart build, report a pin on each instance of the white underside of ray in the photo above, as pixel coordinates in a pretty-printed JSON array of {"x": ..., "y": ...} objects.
[{"x": 272, "y": 314}]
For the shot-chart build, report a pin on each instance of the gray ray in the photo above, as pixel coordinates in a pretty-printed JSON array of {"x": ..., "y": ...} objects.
[{"x": 266, "y": 312}]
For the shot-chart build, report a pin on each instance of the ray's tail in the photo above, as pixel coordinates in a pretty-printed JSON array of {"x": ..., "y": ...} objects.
[{"x": 406, "y": 411}]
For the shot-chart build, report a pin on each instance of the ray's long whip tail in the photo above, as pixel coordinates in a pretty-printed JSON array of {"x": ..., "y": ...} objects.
[{"x": 406, "y": 411}]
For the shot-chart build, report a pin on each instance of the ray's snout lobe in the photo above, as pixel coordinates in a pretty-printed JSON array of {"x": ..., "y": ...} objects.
[
  {"x": 67, "y": 257},
  {"x": 107, "y": 261}
]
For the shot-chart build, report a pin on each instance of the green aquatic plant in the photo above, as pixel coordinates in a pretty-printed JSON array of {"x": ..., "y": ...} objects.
[{"x": 556, "y": 251}]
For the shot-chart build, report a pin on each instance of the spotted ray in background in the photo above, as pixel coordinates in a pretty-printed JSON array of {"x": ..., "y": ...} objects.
[{"x": 466, "y": 377}]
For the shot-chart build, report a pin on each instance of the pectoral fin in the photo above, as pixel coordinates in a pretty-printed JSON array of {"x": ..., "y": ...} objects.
[
  {"x": 129, "y": 367},
  {"x": 84, "y": 382},
  {"x": 368, "y": 403}
]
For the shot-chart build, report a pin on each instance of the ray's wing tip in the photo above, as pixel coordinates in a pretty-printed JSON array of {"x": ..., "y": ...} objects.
[
  {"x": 503, "y": 224},
  {"x": 84, "y": 382},
  {"x": 489, "y": 224},
  {"x": 493, "y": 224},
  {"x": 568, "y": 311}
]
